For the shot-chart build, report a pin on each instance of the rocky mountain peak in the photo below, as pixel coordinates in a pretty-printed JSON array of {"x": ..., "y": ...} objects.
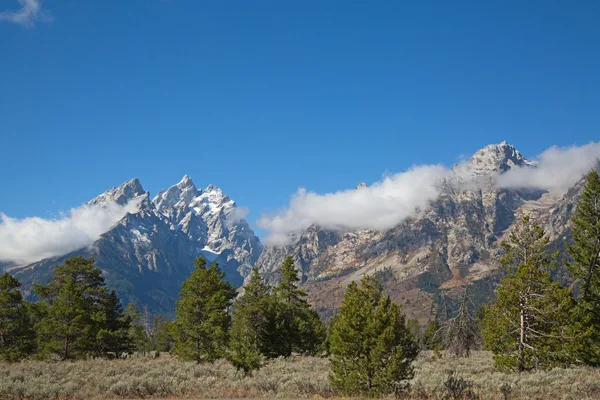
[
  {"x": 496, "y": 158},
  {"x": 186, "y": 182},
  {"x": 179, "y": 195},
  {"x": 120, "y": 195},
  {"x": 213, "y": 188},
  {"x": 150, "y": 250}
]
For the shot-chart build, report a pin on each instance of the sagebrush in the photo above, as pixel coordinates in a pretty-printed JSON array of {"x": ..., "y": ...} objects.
[{"x": 295, "y": 377}]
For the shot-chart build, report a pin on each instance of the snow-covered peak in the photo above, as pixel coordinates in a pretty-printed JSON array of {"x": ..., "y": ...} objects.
[
  {"x": 186, "y": 182},
  {"x": 212, "y": 200},
  {"x": 119, "y": 195},
  {"x": 177, "y": 196},
  {"x": 209, "y": 218},
  {"x": 496, "y": 158}
]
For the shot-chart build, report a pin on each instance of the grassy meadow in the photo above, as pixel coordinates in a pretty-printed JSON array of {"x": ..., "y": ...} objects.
[{"x": 297, "y": 377}]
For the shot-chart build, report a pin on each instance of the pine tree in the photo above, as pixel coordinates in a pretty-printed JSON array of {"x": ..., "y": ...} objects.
[
  {"x": 298, "y": 327},
  {"x": 432, "y": 338},
  {"x": 585, "y": 252},
  {"x": 141, "y": 342},
  {"x": 202, "y": 322},
  {"x": 371, "y": 347},
  {"x": 312, "y": 332},
  {"x": 526, "y": 327},
  {"x": 251, "y": 320},
  {"x": 17, "y": 338},
  {"x": 113, "y": 337},
  {"x": 71, "y": 305},
  {"x": 161, "y": 337}
]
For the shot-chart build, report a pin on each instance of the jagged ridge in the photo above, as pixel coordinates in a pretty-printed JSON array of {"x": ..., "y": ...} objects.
[{"x": 148, "y": 253}]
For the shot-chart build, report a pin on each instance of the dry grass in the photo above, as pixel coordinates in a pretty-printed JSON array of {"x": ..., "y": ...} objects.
[
  {"x": 159, "y": 378},
  {"x": 300, "y": 377},
  {"x": 487, "y": 383}
]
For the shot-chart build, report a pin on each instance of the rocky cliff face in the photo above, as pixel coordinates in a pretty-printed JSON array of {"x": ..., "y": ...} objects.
[
  {"x": 148, "y": 253},
  {"x": 213, "y": 223},
  {"x": 453, "y": 242}
]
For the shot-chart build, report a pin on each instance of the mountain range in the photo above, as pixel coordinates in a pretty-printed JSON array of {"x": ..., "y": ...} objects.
[
  {"x": 147, "y": 254},
  {"x": 454, "y": 241}
]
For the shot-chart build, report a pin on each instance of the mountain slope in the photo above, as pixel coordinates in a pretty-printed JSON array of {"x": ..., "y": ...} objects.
[{"x": 452, "y": 242}]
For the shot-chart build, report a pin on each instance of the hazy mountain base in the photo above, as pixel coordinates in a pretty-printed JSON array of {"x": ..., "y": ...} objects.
[{"x": 296, "y": 377}]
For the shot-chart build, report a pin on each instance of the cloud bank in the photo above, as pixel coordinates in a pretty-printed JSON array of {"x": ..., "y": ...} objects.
[
  {"x": 31, "y": 11},
  {"x": 558, "y": 169},
  {"x": 32, "y": 239},
  {"x": 392, "y": 200},
  {"x": 379, "y": 206}
]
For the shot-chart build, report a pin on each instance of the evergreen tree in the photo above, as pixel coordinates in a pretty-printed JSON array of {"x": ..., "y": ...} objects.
[
  {"x": 297, "y": 326},
  {"x": 526, "y": 327},
  {"x": 140, "y": 341},
  {"x": 202, "y": 322},
  {"x": 252, "y": 317},
  {"x": 17, "y": 339},
  {"x": 585, "y": 252},
  {"x": 113, "y": 337},
  {"x": 72, "y": 310},
  {"x": 432, "y": 339},
  {"x": 161, "y": 336},
  {"x": 371, "y": 347},
  {"x": 312, "y": 332}
]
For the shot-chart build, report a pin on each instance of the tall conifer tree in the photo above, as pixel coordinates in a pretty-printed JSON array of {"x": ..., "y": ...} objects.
[
  {"x": 252, "y": 317},
  {"x": 72, "y": 307},
  {"x": 202, "y": 321},
  {"x": 113, "y": 337},
  {"x": 527, "y": 326},
  {"x": 16, "y": 332},
  {"x": 78, "y": 316},
  {"x": 585, "y": 252},
  {"x": 371, "y": 347},
  {"x": 298, "y": 327}
]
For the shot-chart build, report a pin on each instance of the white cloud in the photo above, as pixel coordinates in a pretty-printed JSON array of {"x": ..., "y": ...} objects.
[
  {"x": 31, "y": 11},
  {"x": 379, "y": 206},
  {"x": 237, "y": 214},
  {"x": 558, "y": 169},
  {"x": 395, "y": 198},
  {"x": 32, "y": 239}
]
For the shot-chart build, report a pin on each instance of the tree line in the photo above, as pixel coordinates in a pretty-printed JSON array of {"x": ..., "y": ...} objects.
[
  {"x": 77, "y": 317},
  {"x": 534, "y": 322}
]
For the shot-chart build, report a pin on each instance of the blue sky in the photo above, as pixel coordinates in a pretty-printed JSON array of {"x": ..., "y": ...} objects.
[{"x": 262, "y": 97}]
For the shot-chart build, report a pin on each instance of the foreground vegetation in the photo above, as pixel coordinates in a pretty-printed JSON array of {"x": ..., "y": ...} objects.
[{"x": 295, "y": 377}]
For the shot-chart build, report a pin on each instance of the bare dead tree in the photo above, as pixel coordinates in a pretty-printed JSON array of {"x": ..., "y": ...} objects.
[{"x": 460, "y": 334}]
